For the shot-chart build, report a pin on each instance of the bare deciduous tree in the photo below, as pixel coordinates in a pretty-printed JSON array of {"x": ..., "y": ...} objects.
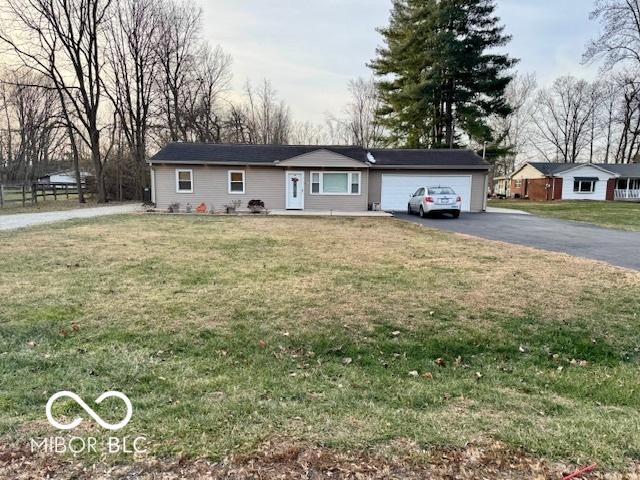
[
  {"x": 133, "y": 65},
  {"x": 60, "y": 39},
  {"x": 267, "y": 118},
  {"x": 627, "y": 118},
  {"x": 515, "y": 128},
  {"x": 357, "y": 124},
  {"x": 176, "y": 50},
  {"x": 307, "y": 133},
  {"x": 619, "y": 41},
  {"x": 30, "y": 131},
  {"x": 202, "y": 105},
  {"x": 561, "y": 119}
]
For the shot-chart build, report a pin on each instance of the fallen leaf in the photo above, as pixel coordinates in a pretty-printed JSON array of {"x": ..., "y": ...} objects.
[
  {"x": 440, "y": 362},
  {"x": 427, "y": 376},
  {"x": 347, "y": 360},
  {"x": 478, "y": 375},
  {"x": 413, "y": 373},
  {"x": 262, "y": 344},
  {"x": 395, "y": 333}
]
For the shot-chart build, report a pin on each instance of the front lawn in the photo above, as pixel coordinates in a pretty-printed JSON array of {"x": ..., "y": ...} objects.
[
  {"x": 622, "y": 215},
  {"x": 352, "y": 335}
]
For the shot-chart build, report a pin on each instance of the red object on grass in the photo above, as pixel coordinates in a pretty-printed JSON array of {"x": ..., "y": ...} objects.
[{"x": 581, "y": 471}]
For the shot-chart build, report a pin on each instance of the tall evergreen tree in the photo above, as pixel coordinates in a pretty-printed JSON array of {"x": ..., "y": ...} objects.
[{"x": 440, "y": 77}]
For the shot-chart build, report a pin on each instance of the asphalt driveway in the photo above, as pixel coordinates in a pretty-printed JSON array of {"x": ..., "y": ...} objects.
[{"x": 616, "y": 247}]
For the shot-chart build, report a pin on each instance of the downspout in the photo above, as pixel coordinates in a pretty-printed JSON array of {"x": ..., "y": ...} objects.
[
  {"x": 485, "y": 192},
  {"x": 153, "y": 184},
  {"x": 553, "y": 188}
]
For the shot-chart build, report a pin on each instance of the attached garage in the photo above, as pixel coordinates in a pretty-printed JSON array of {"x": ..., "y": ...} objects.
[
  {"x": 395, "y": 175},
  {"x": 396, "y": 189}
]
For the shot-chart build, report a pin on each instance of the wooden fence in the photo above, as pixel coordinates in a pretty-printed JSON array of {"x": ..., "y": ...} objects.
[{"x": 35, "y": 192}]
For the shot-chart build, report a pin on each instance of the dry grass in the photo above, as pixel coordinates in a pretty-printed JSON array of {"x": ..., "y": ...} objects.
[{"x": 228, "y": 331}]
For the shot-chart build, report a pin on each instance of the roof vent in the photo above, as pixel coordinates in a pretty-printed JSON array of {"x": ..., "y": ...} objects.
[{"x": 371, "y": 158}]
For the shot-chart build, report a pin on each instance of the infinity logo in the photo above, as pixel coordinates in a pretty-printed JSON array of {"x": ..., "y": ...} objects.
[{"x": 89, "y": 410}]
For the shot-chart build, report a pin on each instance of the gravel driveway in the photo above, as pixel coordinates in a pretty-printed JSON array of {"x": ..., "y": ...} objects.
[
  {"x": 21, "y": 220},
  {"x": 616, "y": 247}
]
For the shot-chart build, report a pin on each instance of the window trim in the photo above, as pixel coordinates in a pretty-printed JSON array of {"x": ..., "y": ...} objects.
[
  {"x": 244, "y": 182},
  {"x": 178, "y": 172},
  {"x": 350, "y": 176},
  {"x": 580, "y": 182}
]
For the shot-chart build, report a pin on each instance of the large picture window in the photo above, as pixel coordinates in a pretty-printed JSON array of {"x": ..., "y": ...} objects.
[
  {"x": 184, "y": 181},
  {"x": 335, "y": 183}
]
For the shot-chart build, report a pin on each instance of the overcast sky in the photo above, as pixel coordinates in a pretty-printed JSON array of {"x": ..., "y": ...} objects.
[{"x": 310, "y": 49}]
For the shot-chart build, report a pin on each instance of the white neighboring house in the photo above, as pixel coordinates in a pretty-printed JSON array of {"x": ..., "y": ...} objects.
[
  {"x": 585, "y": 182},
  {"x": 545, "y": 181},
  {"x": 63, "y": 176}
]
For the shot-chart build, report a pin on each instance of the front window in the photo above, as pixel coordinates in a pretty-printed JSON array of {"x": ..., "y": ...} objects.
[
  {"x": 518, "y": 183},
  {"x": 184, "y": 181},
  {"x": 584, "y": 186},
  {"x": 315, "y": 183},
  {"x": 335, "y": 183},
  {"x": 236, "y": 181}
]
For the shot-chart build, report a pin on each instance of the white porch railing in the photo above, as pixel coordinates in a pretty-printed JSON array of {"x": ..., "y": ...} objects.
[{"x": 626, "y": 194}]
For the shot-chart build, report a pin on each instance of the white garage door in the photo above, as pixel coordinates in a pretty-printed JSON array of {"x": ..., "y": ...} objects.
[{"x": 396, "y": 189}]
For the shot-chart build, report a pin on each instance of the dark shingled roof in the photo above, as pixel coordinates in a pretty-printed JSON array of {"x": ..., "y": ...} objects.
[
  {"x": 241, "y": 153},
  {"x": 548, "y": 168},
  {"x": 179, "y": 152},
  {"x": 406, "y": 157},
  {"x": 622, "y": 169}
]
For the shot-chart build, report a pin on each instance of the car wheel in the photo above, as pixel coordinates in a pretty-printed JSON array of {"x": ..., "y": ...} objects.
[
  {"x": 409, "y": 212},
  {"x": 421, "y": 212},
  {"x": 456, "y": 214}
]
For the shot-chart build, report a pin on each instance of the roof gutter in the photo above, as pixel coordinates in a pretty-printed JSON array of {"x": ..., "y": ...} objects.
[{"x": 430, "y": 167}]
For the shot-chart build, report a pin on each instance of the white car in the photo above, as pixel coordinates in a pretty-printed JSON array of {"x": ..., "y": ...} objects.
[{"x": 435, "y": 199}]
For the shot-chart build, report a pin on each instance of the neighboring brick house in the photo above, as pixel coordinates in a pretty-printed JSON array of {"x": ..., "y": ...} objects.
[{"x": 540, "y": 181}]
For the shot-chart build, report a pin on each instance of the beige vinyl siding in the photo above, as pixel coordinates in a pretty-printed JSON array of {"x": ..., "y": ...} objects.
[
  {"x": 478, "y": 185},
  {"x": 346, "y": 203},
  {"x": 321, "y": 158},
  {"x": 210, "y": 185}
]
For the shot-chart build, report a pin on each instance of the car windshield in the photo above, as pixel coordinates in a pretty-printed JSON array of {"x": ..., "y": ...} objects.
[{"x": 441, "y": 191}]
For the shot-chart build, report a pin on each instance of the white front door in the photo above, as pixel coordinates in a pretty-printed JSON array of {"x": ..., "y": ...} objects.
[{"x": 295, "y": 190}]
